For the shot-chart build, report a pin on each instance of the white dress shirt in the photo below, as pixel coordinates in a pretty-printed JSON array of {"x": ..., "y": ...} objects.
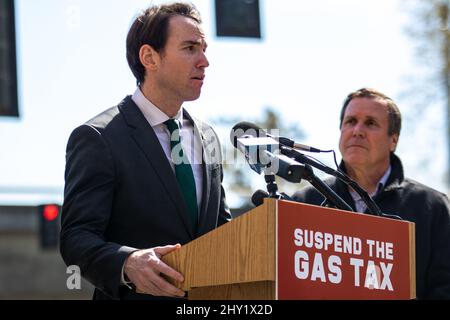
[
  {"x": 191, "y": 143},
  {"x": 359, "y": 202}
]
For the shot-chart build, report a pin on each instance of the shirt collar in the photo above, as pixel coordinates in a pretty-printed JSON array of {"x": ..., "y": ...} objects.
[
  {"x": 384, "y": 179},
  {"x": 151, "y": 112},
  {"x": 380, "y": 185}
]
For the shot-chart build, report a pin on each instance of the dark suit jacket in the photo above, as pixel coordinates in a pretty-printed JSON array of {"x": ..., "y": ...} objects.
[{"x": 121, "y": 194}]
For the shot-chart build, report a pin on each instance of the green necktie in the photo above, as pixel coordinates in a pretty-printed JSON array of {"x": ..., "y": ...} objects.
[{"x": 183, "y": 172}]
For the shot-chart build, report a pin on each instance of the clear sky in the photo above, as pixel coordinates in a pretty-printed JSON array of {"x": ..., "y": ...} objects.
[{"x": 72, "y": 66}]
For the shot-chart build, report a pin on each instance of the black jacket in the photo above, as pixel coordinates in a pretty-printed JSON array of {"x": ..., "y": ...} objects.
[
  {"x": 415, "y": 202},
  {"x": 121, "y": 194}
]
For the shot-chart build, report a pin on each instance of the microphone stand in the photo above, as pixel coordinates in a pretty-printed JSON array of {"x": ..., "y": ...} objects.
[
  {"x": 293, "y": 171},
  {"x": 371, "y": 205},
  {"x": 325, "y": 190},
  {"x": 272, "y": 188}
]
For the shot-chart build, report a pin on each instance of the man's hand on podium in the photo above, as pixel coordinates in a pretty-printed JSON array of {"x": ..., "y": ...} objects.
[{"x": 144, "y": 268}]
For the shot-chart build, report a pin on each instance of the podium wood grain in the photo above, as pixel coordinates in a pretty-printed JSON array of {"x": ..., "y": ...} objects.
[{"x": 238, "y": 252}]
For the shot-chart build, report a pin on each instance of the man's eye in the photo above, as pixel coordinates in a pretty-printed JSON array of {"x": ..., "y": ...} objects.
[{"x": 350, "y": 121}]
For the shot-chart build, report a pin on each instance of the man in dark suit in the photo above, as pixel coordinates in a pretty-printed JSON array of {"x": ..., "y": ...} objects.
[
  {"x": 144, "y": 177},
  {"x": 370, "y": 126}
]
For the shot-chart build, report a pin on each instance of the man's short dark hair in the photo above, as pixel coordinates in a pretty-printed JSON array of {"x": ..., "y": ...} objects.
[
  {"x": 152, "y": 28},
  {"x": 395, "y": 117}
]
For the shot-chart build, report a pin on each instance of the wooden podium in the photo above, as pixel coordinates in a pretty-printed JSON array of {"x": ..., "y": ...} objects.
[{"x": 287, "y": 250}]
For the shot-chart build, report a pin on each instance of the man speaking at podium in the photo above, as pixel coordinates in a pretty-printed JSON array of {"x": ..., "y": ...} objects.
[
  {"x": 145, "y": 176},
  {"x": 370, "y": 124}
]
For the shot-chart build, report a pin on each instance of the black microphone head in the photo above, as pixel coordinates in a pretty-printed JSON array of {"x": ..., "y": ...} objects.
[
  {"x": 245, "y": 125},
  {"x": 258, "y": 197},
  {"x": 245, "y": 128}
]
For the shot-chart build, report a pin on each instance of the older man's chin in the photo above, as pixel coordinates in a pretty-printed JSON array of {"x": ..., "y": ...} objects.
[{"x": 354, "y": 158}]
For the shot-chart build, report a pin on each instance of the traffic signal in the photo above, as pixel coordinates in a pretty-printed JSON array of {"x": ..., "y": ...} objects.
[
  {"x": 49, "y": 225},
  {"x": 238, "y": 18}
]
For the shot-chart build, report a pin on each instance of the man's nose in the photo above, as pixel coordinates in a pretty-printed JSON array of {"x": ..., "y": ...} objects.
[
  {"x": 358, "y": 130},
  {"x": 203, "y": 61}
]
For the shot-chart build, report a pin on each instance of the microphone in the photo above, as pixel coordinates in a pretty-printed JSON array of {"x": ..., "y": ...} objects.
[
  {"x": 258, "y": 197},
  {"x": 254, "y": 150},
  {"x": 259, "y": 155},
  {"x": 257, "y": 146},
  {"x": 260, "y": 159},
  {"x": 251, "y": 129}
]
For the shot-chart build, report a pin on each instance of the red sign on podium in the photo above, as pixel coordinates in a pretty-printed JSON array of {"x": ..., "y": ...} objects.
[{"x": 334, "y": 254}]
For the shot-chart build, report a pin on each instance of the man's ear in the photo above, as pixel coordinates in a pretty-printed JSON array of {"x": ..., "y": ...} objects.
[
  {"x": 149, "y": 57},
  {"x": 394, "y": 142}
]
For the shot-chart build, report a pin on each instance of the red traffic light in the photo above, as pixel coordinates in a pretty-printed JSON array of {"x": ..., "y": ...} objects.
[{"x": 50, "y": 212}]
